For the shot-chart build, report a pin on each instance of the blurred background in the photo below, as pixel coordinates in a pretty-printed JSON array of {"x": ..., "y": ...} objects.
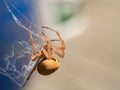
[{"x": 92, "y": 33}]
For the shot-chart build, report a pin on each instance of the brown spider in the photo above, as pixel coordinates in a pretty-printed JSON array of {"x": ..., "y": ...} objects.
[{"x": 49, "y": 63}]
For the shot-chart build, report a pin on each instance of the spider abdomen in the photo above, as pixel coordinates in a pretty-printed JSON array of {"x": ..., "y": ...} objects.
[{"x": 46, "y": 67}]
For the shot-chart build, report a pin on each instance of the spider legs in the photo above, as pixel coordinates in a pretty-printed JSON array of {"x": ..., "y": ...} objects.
[
  {"x": 58, "y": 52},
  {"x": 56, "y": 48},
  {"x": 47, "y": 49},
  {"x": 36, "y": 54},
  {"x": 58, "y": 34}
]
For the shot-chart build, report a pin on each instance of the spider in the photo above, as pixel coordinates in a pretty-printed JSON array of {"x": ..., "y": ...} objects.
[{"x": 46, "y": 63}]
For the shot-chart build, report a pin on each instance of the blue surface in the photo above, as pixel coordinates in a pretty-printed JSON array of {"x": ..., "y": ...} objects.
[{"x": 11, "y": 32}]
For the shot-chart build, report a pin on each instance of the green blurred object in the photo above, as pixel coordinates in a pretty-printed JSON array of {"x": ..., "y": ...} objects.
[{"x": 65, "y": 11}]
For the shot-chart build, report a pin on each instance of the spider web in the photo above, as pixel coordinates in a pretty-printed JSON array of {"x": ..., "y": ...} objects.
[{"x": 15, "y": 46}]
